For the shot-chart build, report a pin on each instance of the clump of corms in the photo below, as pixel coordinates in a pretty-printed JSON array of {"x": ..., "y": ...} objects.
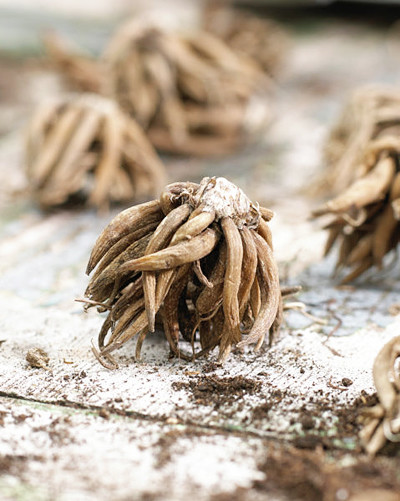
[
  {"x": 84, "y": 150},
  {"x": 364, "y": 172},
  {"x": 190, "y": 91},
  {"x": 369, "y": 120},
  {"x": 198, "y": 262}
]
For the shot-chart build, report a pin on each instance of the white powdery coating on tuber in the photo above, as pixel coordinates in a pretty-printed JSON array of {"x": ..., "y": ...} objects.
[{"x": 227, "y": 200}]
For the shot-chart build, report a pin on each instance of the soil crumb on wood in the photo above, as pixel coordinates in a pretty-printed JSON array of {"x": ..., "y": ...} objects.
[
  {"x": 38, "y": 358},
  {"x": 217, "y": 391},
  {"x": 334, "y": 433}
]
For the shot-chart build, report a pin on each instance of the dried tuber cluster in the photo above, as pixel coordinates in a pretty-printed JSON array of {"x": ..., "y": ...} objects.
[
  {"x": 261, "y": 39},
  {"x": 198, "y": 261},
  {"x": 366, "y": 212},
  {"x": 370, "y": 120},
  {"x": 190, "y": 92},
  {"x": 383, "y": 420},
  {"x": 84, "y": 149}
]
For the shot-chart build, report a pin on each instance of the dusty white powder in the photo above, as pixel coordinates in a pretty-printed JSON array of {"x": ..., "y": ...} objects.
[{"x": 227, "y": 200}]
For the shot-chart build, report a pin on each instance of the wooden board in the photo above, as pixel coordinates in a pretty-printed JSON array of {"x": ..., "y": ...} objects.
[{"x": 167, "y": 429}]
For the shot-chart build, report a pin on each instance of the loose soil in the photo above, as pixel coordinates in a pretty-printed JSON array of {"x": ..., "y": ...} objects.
[
  {"x": 229, "y": 395},
  {"x": 316, "y": 476},
  {"x": 323, "y": 462},
  {"x": 216, "y": 391}
]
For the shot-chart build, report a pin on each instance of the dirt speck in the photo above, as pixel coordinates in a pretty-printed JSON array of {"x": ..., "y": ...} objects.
[
  {"x": 261, "y": 411},
  {"x": 210, "y": 367},
  {"x": 104, "y": 413},
  {"x": 38, "y": 358},
  {"x": 307, "y": 422},
  {"x": 346, "y": 382}
]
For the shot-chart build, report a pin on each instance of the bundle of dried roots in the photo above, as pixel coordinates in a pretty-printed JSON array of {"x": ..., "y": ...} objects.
[
  {"x": 369, "y": 121},
  {"x": 365, "y": 215},
  {"x": 261, "y": 39},
  {"x": 199, "y": 260},
  {"x": 84, "y": 149},
  {"x": 383, "y": 420},
  {"x": 190, "y": 92}
]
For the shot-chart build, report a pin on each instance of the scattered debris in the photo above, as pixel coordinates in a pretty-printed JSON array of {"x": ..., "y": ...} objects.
[
  {"x": 217, "y": 391},
  {"x": 336, "y": 387},
  {"x": 347, "y": 382}
]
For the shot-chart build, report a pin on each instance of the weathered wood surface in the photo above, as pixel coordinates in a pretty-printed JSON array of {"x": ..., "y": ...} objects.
[
  {"x": 80, "y": 431},
  {"x": 76, "y": 431}
]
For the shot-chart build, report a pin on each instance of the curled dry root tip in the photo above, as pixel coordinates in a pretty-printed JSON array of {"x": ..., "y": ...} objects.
[
  {"x": 198, "y": 261},
  {"x": 363, "y": 152},
  {"x": 84, "y": 149},
  {"x": 382, "y": 422}
]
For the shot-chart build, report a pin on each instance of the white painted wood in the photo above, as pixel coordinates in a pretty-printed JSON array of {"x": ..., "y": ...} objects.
[{"x": 54, "y": 444}]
